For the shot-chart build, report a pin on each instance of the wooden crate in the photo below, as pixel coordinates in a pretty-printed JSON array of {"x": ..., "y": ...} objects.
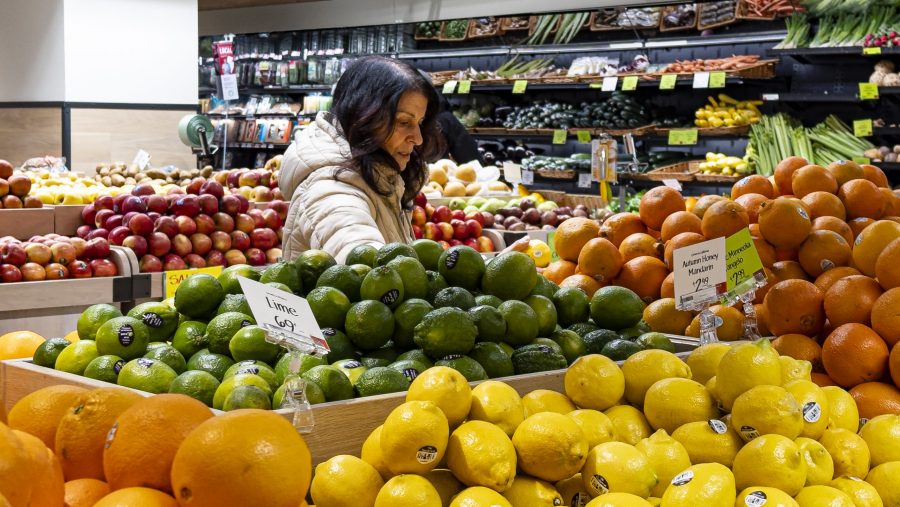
[
  {"x": 25, "y": 223},
  {"x": 67, "y": 219}
]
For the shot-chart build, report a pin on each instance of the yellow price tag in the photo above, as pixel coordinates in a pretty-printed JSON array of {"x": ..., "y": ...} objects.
[
  {"x": 667, "y": 81},
  {"x": 629, "y": 83},
  {"x": 174, "y": 278},
  {"x": 519, "y": 86},
  {"x": 464, "y": 86},
  {"x": 742, "y": 260},
  {"x": 717, "y": 79},
  {"x": 559, "y": 136},
  {"x": 682, "y": 137},
  {"x": 874, "y": 50},
  {"x": 596, "y": 85},
  {"x": 868, "y": 91},
  {"x": 862, "y": 128},
  {"x": 449, "y": 86},
  {"x": 862, "y": 160},
  {"x": 584, "y": 137}
]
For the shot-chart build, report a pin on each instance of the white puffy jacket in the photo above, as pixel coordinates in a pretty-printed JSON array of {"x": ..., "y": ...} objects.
[{"x": 336, "y": 212}]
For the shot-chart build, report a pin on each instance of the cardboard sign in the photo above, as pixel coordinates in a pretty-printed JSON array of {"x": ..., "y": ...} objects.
[
  {"x": 519, "y": 86},
  {"x": 584, "y": 137},
  {"x": 682, "y": 137},
  {"x": 449, "y": 86},
  {"x": 744, "y": 267},
  {"x": 667, "y": 81},
  {"x": 584, "y": 180},
  {"x": 610, "y": 83},
  {"x": 174, "y": 278},
  {"x": 275, "y": 309},
  {"x": 559, "y": 136},
  {"x": 672, "y": 184},
  {"x": 868, "y": 91},
  {"x": 629, "y": 83},
  {"x": 700, "y": 274},
  {"x": 229, "y": 86},
  {"x": 862, "y": 128},
  {"x": 701, "y": 80},
  {"x": 717, "y": 79},
  {"x": 141, "y": 159},
  {"x": 464, "y": 86},
  {"x": 527, "y": 176},
  {"x": 512, "y": 172}
]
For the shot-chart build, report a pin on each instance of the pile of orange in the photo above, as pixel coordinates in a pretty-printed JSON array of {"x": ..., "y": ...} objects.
[{"x": 68, "y": 446}]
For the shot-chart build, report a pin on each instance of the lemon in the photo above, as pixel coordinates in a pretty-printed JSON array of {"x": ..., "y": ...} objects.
[
  {"x": 345, "y": 480},
  {"x": 707, "y": 484},
  {"x": 446, "y": 388},
  {"x": 408, "y": 491},
  {"x": 862, "y": 493},
  {"x": 371, "y": 453},
  {"x": 770, "y": 460},
  {"x": 497, "y": 403},
  {"x": 849, "y": 452},
  {"x": 819, "y": 465},
  {"x": 761, "y": 495},
  {"x": 480, "y": 497},
  {"x": 842, "y": 410},
  {"x": 618, "y": 467},
  {"x": 550, "y": 446},
  {"x": 816, "y": 496},
  {"x": 884, "y": 479},
  {"x": 545, "y": 400},
  {"x": 704, "y": 360},
  {"x": 76, "y": 356},
  {"x": 709, "y": 441},
  {"x": 674, "y": 402},
  {"x": 645, "y": 368},
  {"x": 667, "y": 457},
  {"x": 573, "y": 491},
  {"x": 629, "y": 424},
  {"x": 813, "y": 405},
  {"x": 531, "y": 492},
  {"x": 882, "y": 435},
  {"x": 445, "y": 483},
  {"x": 711, "y": 387},
  {"x": 481, "y": 454},
  {"x": 745, "y": 366},
  {"x": 595, "y": 382},
  {"x": 414, "y": 437},
  {"x": 794, "y": 369},
  {"x": 764, "y": 410},
  {"x": 619, "y": 500},
  {"x": 596, "y": 426}
]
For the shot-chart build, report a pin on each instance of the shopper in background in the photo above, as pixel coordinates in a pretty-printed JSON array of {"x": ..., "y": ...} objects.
[
  {"x": 352, "y": 174},
  {"x": 459, "y": 143}
]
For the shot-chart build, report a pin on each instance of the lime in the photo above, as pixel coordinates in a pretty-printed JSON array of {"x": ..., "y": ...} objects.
[
  {"x": 148, "y": 375},
  {"x": 342, "y": 278},
  {"x": 391, "y": 251},
  {"x": 620, "y": 350},
  {"x": 311, "y": 264},
  {"x": 361, "y": 269},
  {"x": 417, "y": 355},
  {"x": 572, "y": 306},
  {"x": 253, "y": 367},
  {"x": 197, "y": 384},
  {"x": 199, "y": 295},
  {"x": 630, "y": 333},
  {"x": 156, "y": 345},
  {"x": 383, "y": 284},
  {"x": 463, "y": 266},
  {"x": 280, "y": 286},
  {"x": 444, "y": 332},
  {"x": 223, "y": 327},
  {"x": 415, "y": 281},
  {"x": 351, "y": 368},
  {"x": 454, "y": 297},
  {"x": 362, "y": 254},
  {"x": 410, "y": 368},
  {"x": 406, "y": 317},
  {"x": 125, "y": 337},
  {"x": 228, "y": 278},
  {"x": 329, "y": 306},
  {"x": 547, "y": 342},
  {"x": 436, "y": 283},
  {"x": 465, "y": 365},
  {"x": 46, "y": 353},
  {"x": 544, "y": 287},
  {"x": 105, "y": 368},
  {"x": 381, "y": 380},
  {"x": 334, "y": 383},
  {"x": 488, "y": 300},
  {"x": 582, "y": 328},
  {"x": 93, "y": 317},
  {"x": 285, "y": 273},
  {"x": 655, "y": 341},
  {"x": 572, "y": 345},
  {"x": 247, "y": 397},
  {"x": 234, "y": 303},
  {"x": 537, "y": 358},
  {"x": 312, "y": 392},
  {"x": 614, "y": 307},
  {"x": 595, "y": 340},
  {"x": 387, "y": 354},
  {"x": 495, "y": 361},
  {"x": 250, "y": 343},
  {"x": 511, "y": 275},
  {"x": 369, "y": 324},
  {"x": 429, "y": 252},
  {"x": 241, "y": 379},
  {"x": 161, "y": 319},
  {"x": 295, "y": 363},
  {"x": 546, "y": 314},
  {"x": 215, "y": 364},
  {"x": 190, "y": 338},
  {"x": 490, "y": 323},
  {"x": 507, "y": 348},
  {"x": 170, "y": 356},
  {"x": 340, "y": 346},
  {"x": 521, "y": 322}
]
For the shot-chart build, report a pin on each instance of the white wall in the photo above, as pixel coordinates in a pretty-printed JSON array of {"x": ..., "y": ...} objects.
[{"x": 31, "y": 51}]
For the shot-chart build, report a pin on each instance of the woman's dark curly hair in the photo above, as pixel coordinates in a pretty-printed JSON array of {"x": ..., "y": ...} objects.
[{"x": 365, "y": 103}]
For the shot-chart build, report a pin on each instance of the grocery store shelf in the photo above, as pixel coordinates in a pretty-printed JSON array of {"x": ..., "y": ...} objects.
[
  {"x": 888, "y": 166},
  {"x": 886, "y": 131},
  {"x": 255, "y": 146},
  {"x": 807, "y": 54},
  {"x": 825, "y": 96},
  {"x": 252, "y": 116},
  {"x": 299, "y": 89},
  {"x": 584, "y": 86}
]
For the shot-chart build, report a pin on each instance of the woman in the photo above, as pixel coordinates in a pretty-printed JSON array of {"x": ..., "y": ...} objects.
[{"x": 352, "y": 174}]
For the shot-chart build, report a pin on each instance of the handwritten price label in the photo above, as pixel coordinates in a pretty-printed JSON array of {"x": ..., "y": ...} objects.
[
  {"x": 682, "y": 137},
  {"x": 872, "y": 51},
  {"x": 559, "y": 136},
  {"x": 519, "y": 86},
  {"x": 862, "y": 128},
  {"x": 717, "y": 80},
  {"x": 449, "y": 86},
  {"x": 464, "y": 86},
  {"x": 667, "y": 81},
  {"x": 584, "y": 137},
  {"x": 868, "y": 91},
  {"x": 175, "y": 278},
  {"x": 629, "y": 83}
]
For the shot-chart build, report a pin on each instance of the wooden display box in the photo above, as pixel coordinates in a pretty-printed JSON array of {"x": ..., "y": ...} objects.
[
  {"x": 67, "y": 219},
  {"x": 25, "y": 223}
]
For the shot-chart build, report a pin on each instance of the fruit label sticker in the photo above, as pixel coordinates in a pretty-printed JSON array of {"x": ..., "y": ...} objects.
[
  {"x": 152, "y": 320},
  {"x": 464, "y": 86},
  {"x": 390, "y": 297},
  {"x": 288, "y": 319},
  {"x": 862, "y": 422},
  {"x": 755, "y": 499},
  {"x": 559, "y": 136},
  {"x": 717, "y": 79},
  {"x": 579, "y": 500},
  {"x": 683, "y": 478},
  {"x": 718, "y": 426},
  {"x": 174, "y": 278},
  {"x": 349, "y": 365},
  {"x": 749, "y": 433},
  {"x": 862, "y": 128},
  {"x": 426, "y": 455},
  {"x": 744, "y": 269},
  {"x": 629, "y": 83},
  {"x": 410, "y": 374},
  {"x": 667, "y": 81},
  {"x": 701, "y": 80},
  {"x": 519, "y": 86},
  {"x": 452, "y": 258},
  {"x": 126, "y": 335},
  {"x": 118, "y": 366},
  {"x": 868, "y": 91},
  {"x": 598, "y": 482},
  {"x": 449, "y": 86},
  {"x": 111, "y": 435},
  {"x": 700, "y": 275},
  {"x": 812, "y": 412}
]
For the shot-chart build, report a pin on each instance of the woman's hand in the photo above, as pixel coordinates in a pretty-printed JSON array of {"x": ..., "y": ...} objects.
[{"x": 519, "y": 245}]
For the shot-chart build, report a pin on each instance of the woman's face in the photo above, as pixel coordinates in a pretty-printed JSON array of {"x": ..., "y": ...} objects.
[{"x": 405, "y": 131}]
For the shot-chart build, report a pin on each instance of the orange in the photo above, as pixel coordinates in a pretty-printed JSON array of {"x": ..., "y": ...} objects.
[
  {"x": 862, "y": 198},
  {"x": 732, "y": 327},
  {"x": 657, "y": 204},
  {"x": 794, "y": 306},
  {"x": 19, "y": 345},
  {"x": 145, "y": 437},
  {"x": 789, "y": 270},
  {"x": 678, "y": 222},
  {"x": 663, "y": 317},
  {"x": 824, "y": 204},
  {"x": 82, "y": 431},
  {"x": 890, "y": 202},
  {"x": 845, "y": 170},
  {"x": 261, "y": 454},
  {"x": 16, "y": 471},
  {"x": 689, "y": 203},
  {"x": 754, "y": 229},
  {"x": 887, "y": 266},
  {"x": 827, "y": 279},
  {"x": 784, "y": 172},
  {"x": 723, "y": 219},
  {"x": 704, "y": 204},
  {"x": 643, "y": 275},
  {"x": 621, "y": 225},
  {"x": 823, "y": 250},
  {"x": 871, "y": 242},
  {"x": 762, "y": 320},
  {"x": 85, "y": 492},
  {"x": 851, "y": 299},
  {"x": 587, "y": 284},
  {"x": 829, "y": 223},
  {"x": 600, "y": 259},
  {"x": 48, "y": 485},
  {"x": 822, "y": 379},
  {"x": 799, "y": 346},
  {"x": 667, "y": 289},
  {"x": 876, "y": 398},
  {"x": 557, "y": 271},
  {"x": 751, "y": 203},
  {"x": 875, "y": 175},
  {"x": 853, "y": 354},
  {"x": 784, "y": 223},
  {"x": 894, "y": 364},
  {"x": 39, "y": 412},
  {"x": 572, "y": 234},
  {"x": 786, "y": 254},
  {"x": 680, "y": 241},
  {"x": 886, "y": 316},
  {"x": 640, "y": 244},
  {"x": 765, "y": 250},
  {"x": 132, "y": 497},
  {"x": 72, "y": 336},
  {"x": 812, "y": 178},
  {"x": 753, "y": 184}
]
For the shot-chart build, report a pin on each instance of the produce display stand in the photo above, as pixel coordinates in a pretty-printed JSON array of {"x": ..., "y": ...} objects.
[
  {"x": 26, "y": 222},
  {"x": 67, "y": 218}
]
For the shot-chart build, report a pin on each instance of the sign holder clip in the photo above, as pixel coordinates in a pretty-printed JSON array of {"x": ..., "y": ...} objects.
[{"x": 295, "y": 387}]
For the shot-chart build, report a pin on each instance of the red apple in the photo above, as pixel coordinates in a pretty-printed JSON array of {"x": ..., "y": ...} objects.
[
  {"x": 80, "y": 269},
  {"x": 281, "y": 207},
  {"x": 104, "y": 267},
  {"x": 248, "y": 179},
  {"x": 471, "y": 243},
  {"x": 136, "y": 243},
  {"x": 150, "y": 264},
  {"x": 446, "y": 230},
  {"x": 186, "y": 225},
  {"x": 117, "y": 220},
  {"x": 33, "y": 272},
  {"x": 62, "y": 253},
  {"x": 441, "y": 214},
  {"x": 421, "y": 200},
  {"x": 272, "y": 219},
  {"x": 485, "y": 244},
  {"x": 194, "y": 261},
  {"x": 6, "y": 169},
  {"x": 173, "y": 262},
  {"x": 473, "y": 228},
  {"x": 487, "y": 219},
  {"x": 245, "y": 223},
  {"x": 103, "y": 202},
  {"x": 117, "y": 235},
  {"x": 221, "y": 177},
  {"x": 263, "y": 238},
  {"x": 83, "y": 231},
  {"x": 476, "y": 216},
  {"x": 79, "y": 245},
  {"x": 233, "y": 257},
  {"x": 56, "y": 271},
  {"x": 223, "y": 222},
  {"x": 265, "y": 176},
  {"x": 133, "y": 203},
  {"x": 233, "y": 177},
  {"x": 153, "y": 215},
  {"x": 276, "y": 193},
  {"x": 37, "y": 253},
  {"x": 185, "y": 205},
  {"x": 273, "y": 255},
  {"x": 194, "y": 186},
  {"x": 245, "y": 204},
  {"x": 10, "y": 273},
  {"x": 209, "y": 204},
  {"x": 258, "y": 219},
  {"x": 13, "y": 253},
  {"x": 158, "y": 244},
  {"x": 255, "y": 257},
  {"x": 205, "y": 224},
  {"x": 87, "y": 214},
  {"x": 455, "y": 242},
  {"x": 459, "y": 229},
  {"x": 417, "y": 231},
  {"x": 118, "y": 201},
  {"x": 444, "y": 244},
  {"x": 98, "y": 233},
  {"x": 175, "y": 191},
  {"x": 141, "y": 225},
  {"x": 221, "y": 241},
  {"x": 166, "y": 225},
  {"x": 142, "y": 189},
  {"x": 432, "y": 231},
  {"x": 418, "y": 216},
  {"x": 230, "y": 204},
  {"x": 202, "y": 244},
  {"x": 213, "y": 188},
  {"x": 157, "y": 204},
  {"x": 181, "y": 245},
  {"x": 101, "y": 216},
  {"x": 240, "y": 240},
  {"x": 215, "y": 258},
  {"x": 261, "y": 194},
  {"x": 458, "y": 214},
  {"x": 429, "y": 211}
]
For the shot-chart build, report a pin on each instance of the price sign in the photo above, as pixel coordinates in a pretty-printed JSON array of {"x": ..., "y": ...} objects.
[
  {"x": 862, "y": 128},
  {"x": 449, "y": 86},
  {"x": 682, "y": 137},
  {"x": 629, "y": 83},
  {"x": 519, "y": 86},
  {"x": 667, "y": 81},
  {"x": 551, "y": 242},
  {"x": 862, "y": 160},
  {"x": 527, "y": 176},
  {"x": 701, "y": 80},
  {"x": 512, "y": 172},
  {"x": 464, "y": 86},
  {"x": 275, "y": 309},
  {"x": 584, "y": 180},
  {"x": 672, "y": 184},
  {"x": 700, "y": 274},
  {"x": 610, "y": 83},
  {"x": 595, "y": 85},
  {"x": 770, "y": 97},
  {"x": 868, "y": 91},
  {"x": 874, "y": 50},
  {"x": 584, "y": 137},
  {"x": 559, "y": 136},
  {"x": 141, "y": 159},
  {"x": 229, "y": 86},
  {"x": 174, "y": 278},
  {"x": 717, "y": 79},
  {"x": 743, "y": 266}
]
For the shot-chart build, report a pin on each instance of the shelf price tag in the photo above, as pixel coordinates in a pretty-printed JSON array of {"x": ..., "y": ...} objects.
[
  {"x": 610, "y": 83},
  {"x": 700, "y": 274},
  {"x": 278, "y": 310},
  {"x": 595, "y": 85},
  {"x": 527, "y": 177},
  {"x": 744, "y": 269},
  {"x": 862, "y": 128},
  {"x": 512, "y": 173},
  {"x": 464, "y": 86},
  {"x": 174, "y": 278},
  {"x": 667, "y": 81},
  {"x": 229, "y": 86},
  {"x": 584, "y": 180},
  {"x": 868, "y": 91},
  {"x": 682, "y": 137},
  {"x": 551, "y": 242},
  {"x": 672, "y": 184},
  {"x": 874, "y": 50},
  {"x": 701, "y": 80},
  {"x": 629, "y": 83},
  {"x": 862, "y": 160},
  {"x": 449, "y": 86},
  {"x": 717, "y": 79},
  {"x": 559, "y": 136},
  {"x": 584, "y": 137},
  {"x": 519, "y": 86}
]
